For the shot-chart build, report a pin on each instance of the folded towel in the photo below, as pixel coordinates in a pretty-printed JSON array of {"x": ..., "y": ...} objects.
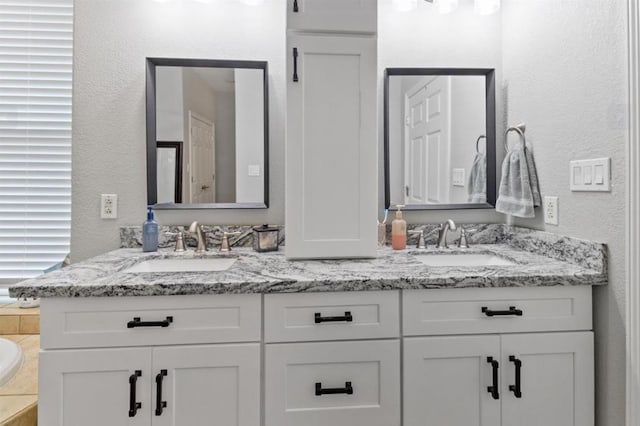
[
  {"x": 477, "y": 187},
  {"x": 519, "y": 192}
]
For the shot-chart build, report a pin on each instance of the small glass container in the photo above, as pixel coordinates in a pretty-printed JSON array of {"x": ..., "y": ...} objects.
[{"x": 265, "y": 238}]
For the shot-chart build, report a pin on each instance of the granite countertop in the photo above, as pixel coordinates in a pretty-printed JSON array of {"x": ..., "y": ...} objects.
[{"x": 540, "y": 259}]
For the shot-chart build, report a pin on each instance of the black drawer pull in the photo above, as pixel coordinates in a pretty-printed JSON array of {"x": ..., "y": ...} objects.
[
  {"x": 347, "y": 389},
  {"x": 346, "y": 318},
  {"x": 160, "y": 404},
  {"x": 493, "y": 390},
  {"x": 295, "y": 65},
  {"x": 517, "y": 388},
  {"x": 134, "y": 406},
  {"x": 137, "y": 322},
  {"x": 511, "y": 312},
  {"x": 295, "y": 6}
]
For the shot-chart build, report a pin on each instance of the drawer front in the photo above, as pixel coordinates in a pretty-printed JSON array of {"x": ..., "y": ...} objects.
[
  {"x": 149, "y": 321},
  {"x": 496, "y": 310},
  {"x": 337, "y": 383},
  {"x": 332, "y": 316}
]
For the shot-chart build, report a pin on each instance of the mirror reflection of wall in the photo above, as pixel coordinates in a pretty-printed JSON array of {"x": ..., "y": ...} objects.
[
  {"x": 435, "y": 123},
  {"x": 216, "y": 116}
]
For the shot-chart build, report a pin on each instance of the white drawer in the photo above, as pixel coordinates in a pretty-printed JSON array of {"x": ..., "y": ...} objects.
[
  {"x": 111, "y": 321},
  {"x": 331, "y": 316},
  {"x": 296, "y": 372},
  {"x": 460, "y": 311}
]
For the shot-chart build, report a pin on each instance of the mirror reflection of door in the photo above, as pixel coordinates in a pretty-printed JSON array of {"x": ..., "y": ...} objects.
[
  {"x": 427, "y": 141},
  {"x": 202, "y": 160},
  {"x": 169, "y": 169}
]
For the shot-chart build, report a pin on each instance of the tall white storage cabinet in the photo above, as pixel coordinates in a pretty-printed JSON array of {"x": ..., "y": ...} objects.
[{"x": 331, "y": 154}]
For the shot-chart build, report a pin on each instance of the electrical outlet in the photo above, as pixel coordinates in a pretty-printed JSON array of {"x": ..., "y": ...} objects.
[
  {"x": 551, "y": 210},
  {"x": 109, "y": 206}
]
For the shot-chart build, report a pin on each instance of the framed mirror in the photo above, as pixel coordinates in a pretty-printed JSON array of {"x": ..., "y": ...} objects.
[
  {"x": 207, "y": 134},
  {"x": 439, "y": 138}
]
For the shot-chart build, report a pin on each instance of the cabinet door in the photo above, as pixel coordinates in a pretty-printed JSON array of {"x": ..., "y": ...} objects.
[
  {"x": 447, "y": 380},
  {"x": 207, "y": 385},
  {"x": 95, "y": 387},
  {"x": 333, "y": 15},
  {"x": 556, "y": 379},
  {"x": 331, "y": 153}
]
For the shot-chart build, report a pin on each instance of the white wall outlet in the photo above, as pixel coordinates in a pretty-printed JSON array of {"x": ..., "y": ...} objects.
[
  {"x": 591, "y": 175},
  {"x": 551, "y": 210},
  {"x": 458, "y": 177},
  {"x": 109, "y": 206}
]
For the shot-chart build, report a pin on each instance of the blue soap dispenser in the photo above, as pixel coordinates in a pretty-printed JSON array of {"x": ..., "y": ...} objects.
[{"x": 150, "y": 232}]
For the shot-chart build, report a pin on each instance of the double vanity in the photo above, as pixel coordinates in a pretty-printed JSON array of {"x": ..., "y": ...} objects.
[{"x": 485, "y": 335}]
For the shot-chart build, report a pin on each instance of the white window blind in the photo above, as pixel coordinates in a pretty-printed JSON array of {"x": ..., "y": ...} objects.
[{"x": 36, "y": 54}]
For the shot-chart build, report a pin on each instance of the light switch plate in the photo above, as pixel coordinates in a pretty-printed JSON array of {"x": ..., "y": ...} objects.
[
  {"x": 109, "y": 206},
  {"x": 458, "y": 177},
  {"x": 254, "y": 170},
  {"x": 551, "y": 210},
  {"x": 591, "y": 175}
]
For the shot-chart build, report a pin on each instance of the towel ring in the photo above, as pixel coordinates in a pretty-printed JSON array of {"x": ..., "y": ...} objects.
[
  {"x": 478, "y": 143},
  {"x": 520, "y": 129}
]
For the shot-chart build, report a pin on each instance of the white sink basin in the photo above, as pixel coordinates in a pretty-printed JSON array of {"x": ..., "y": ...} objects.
[
  {"x": 183, "y": 265},
  {"x": 10, "y": 360},
  {"x": 463, "y": 260}
]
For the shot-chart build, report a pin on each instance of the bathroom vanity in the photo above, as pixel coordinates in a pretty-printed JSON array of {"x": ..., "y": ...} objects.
[{"x": 387, "y": 341}]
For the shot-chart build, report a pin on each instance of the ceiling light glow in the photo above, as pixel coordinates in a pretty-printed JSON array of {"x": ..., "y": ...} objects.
[{"x": 486, "y": 7}]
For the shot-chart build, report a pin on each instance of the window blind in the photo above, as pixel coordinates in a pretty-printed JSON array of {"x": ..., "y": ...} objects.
[{"x": 36, "y": 54}]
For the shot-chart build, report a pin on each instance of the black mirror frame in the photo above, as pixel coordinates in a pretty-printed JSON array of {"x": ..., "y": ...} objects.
[
  {"x": 152, "y": 189},
  {"x": 489, "y": 74}
]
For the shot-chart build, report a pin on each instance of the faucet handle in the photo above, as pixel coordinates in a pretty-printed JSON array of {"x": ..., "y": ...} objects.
[
  {"x": 421, "y": 243},
  {"x": 179, "y": 248},
  {"x": 226, "y": 246},
  {"x": 462, "y": 241}
]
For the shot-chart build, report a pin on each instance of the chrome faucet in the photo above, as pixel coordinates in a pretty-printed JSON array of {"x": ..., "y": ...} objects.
[
  {"x": 442, "y": 233},
  {"x": 197, "y": 229}
]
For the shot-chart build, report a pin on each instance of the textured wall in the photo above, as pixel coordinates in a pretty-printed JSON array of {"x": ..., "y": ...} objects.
[
  {"x": 112, "y": 39},
  {"x": 565, "y": 70}
]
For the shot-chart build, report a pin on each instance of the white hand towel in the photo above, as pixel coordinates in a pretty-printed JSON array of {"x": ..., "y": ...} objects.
[
  {"x": 519, "y": 193},
  {"x": 477, "y": 187}
]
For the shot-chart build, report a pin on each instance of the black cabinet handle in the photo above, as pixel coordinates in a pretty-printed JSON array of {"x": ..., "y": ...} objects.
[
  {"x": 517, "y": 388},
  {"x": 346, "y": 318},
  {"x": 347, "y": 389},
  {"x": 511, "y": 312},
  {"x": 493, "y": 390},
  {"x": 295, "y": 65},
  {"x": 160, "y": 404},
  {"x": 295, "y": 6},
  {"x": 137, "y": 322},
  {"x": 134, "y": 406}
]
